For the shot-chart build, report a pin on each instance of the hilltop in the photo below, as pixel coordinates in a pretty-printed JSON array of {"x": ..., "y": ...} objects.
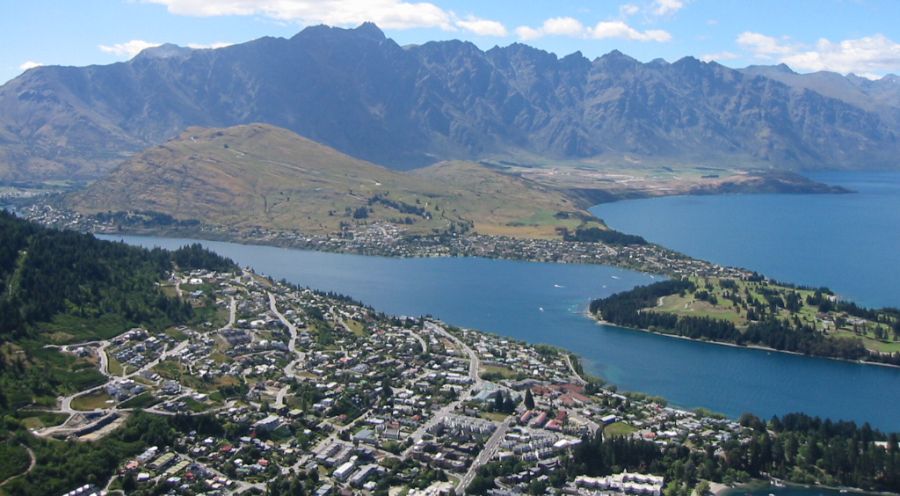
[{"x": 262, "y": 176}]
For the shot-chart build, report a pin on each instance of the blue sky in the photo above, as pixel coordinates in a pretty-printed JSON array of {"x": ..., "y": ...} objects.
[{"x": 859, "y": 36}]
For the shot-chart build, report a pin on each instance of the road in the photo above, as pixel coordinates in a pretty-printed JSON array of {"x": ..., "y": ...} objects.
[
  {"x": 300, "y": 357},
  {"x": 474, "y": 361},
  {"x": 575, "y": 375},
  {"x": 232, "y": 314},
  {"x": 419, "y": 338},
  {"x": 487, "y": 453},
  {"x": 474, "y": 364}
]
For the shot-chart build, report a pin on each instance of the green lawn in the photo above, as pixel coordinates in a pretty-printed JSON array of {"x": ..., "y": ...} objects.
[
  {"x": 143, "y": 400},
  {"x": 689, "y": 306},
  {"x": 497, "y": 371},
  {"x": 870, "y": 342},
  {"x": 618, "y": 429},
  {"x": 91, "y": 401},
  {"x": 115, "y": 367},
  {"x": 40, "y": 420},
  {"x": 495, "y": 416}
]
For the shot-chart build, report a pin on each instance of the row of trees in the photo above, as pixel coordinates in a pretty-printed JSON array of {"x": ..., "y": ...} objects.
[{"x": 608, "y": 236}]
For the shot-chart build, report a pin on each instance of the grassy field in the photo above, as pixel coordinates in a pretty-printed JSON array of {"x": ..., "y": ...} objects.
[
  {"x": 494, "y": 416},
  {"x": 92, "y": 401},
  {"x": 688, "y": 305},
  {"x": 176, "y": 334},
  {"x": 870, "y": 342},
  {"x": 143, "y": 400},
  {"x": 356, "y": 327},
  {"x": 115, "y": 367},
  {"x": 39, "y": 420},
  {"x": 618, "y": 429},
  {"x": 497, "y": 371}
]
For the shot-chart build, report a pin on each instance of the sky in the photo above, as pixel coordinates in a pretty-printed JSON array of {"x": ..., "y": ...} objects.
[{"x": 858, "y": 36}]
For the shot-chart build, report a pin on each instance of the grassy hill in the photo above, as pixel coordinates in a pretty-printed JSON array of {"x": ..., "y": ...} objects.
[{"x": 261, "y": 175}]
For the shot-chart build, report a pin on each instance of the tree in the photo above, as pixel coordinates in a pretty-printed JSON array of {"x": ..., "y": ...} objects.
[
  {"x": 529, "y": 399},
  {"x": 702, "y": 488}
]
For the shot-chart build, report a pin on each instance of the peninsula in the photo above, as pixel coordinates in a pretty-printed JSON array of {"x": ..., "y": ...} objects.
[{"x": 759, "y": 312}]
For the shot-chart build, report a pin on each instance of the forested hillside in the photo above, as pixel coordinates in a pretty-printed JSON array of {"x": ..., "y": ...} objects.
[{"x": 61, "y": 286}]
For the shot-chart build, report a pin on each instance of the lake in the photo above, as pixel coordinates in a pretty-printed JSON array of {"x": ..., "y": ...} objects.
[
  {"x": 545, "y": 303},
  {"x": 850, "y": 243}
]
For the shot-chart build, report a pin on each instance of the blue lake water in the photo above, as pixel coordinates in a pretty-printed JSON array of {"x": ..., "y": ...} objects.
[
  {"x": 545, "y": 303},
  {"x": 850, "y": 243}
]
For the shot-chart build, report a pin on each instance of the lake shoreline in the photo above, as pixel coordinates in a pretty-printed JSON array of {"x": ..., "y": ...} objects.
[
  {"x": 757, "y": 347},
  {"x": 844, "y": 242},
  {"x": 770, "y": 485}
]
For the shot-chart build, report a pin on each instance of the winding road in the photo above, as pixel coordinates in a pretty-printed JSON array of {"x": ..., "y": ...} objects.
[
  {"x": 292, "y": 347},
  {"x": 31, "y": 465}
]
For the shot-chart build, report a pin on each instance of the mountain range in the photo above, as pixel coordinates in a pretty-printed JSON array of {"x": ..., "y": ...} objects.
[{"x": 410, "y": 106}]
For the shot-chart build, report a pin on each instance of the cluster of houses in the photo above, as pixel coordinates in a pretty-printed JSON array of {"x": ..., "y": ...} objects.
[
  {"x": 621, "y": 483},
  {"x": 325, "y": 385},
  {"x": 390, "y": 239}
]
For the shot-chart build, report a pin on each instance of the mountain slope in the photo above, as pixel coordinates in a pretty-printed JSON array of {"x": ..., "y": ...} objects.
[
  {"x": 406, "y": 107},
  {"x": 880, "y": 96},
  {"x": 263, "y": 176}
]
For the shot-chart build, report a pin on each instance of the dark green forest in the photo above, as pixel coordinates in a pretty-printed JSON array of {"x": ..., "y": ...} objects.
[{"x": 62, "y": 285}]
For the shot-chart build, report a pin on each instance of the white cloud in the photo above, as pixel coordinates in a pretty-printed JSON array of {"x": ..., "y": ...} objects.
[
  {"x": 213, "y": 45},
  {"x": 128, "y": 49},
  {"x": 526, "y": 33},
  {"x": 719, "y": 56},
  {"x": 30, "y": 64},
  {"x": 571, "y": 27},
  {"x": 618, "y": 29},
  {"x": 666, "y": 7},
  {"x": 869, "y": 56},
  {"x": 482, "y": 27},
  {"x": 562, "y": 26},
  {"x": 761, "y": 45},
  {"x": 390, "y": 14},
  {"x": 628, "y": 10}
]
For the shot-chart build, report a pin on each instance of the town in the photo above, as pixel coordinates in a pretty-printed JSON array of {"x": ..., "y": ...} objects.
[
  {"x": 386, "y": 239},
  {"x": 321, "y": 389}
]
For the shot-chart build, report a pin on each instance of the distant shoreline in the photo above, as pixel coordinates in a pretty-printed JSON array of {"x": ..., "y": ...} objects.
[
  {"x": 735, "y": 345},
  {"x": 759, "y": 485}
]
